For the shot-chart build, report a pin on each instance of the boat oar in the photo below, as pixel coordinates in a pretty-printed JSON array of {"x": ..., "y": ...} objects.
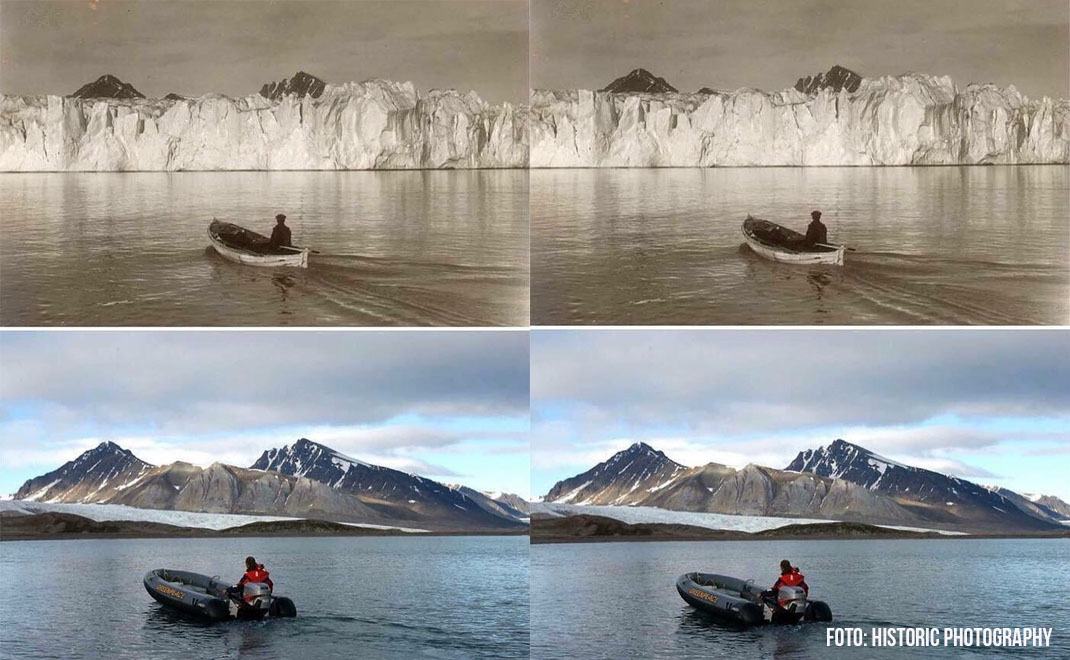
[
  {"x": 297, "y": 249},
  {"x": 836, "y": 247}
]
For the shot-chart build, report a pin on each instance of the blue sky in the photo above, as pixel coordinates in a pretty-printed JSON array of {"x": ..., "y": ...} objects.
[
  {"x": 986, "y": 405},
  {"x": 447, "y": 405}
]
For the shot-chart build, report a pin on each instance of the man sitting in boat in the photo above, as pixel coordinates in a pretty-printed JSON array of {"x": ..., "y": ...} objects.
[
  {"x": 816, "y": 232},
  {"x": 789, "y": 577},
  {"x": 280, "y": 235},
  {"x": 255, "y": 572}
]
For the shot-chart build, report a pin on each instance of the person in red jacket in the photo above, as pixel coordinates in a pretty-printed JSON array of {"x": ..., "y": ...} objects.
[
  {"x": 790, "y": 577},
  {"x": 255, "y": 572}
]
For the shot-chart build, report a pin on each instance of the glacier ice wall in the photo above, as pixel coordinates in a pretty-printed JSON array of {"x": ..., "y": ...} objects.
[
  {"x": 376, "y": 124},
  {"x": 913, "y": 119}
]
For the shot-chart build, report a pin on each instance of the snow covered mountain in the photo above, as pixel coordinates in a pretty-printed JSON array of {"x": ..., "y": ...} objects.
[
  {"x": 616, "y": 480},
  {"x": 834, "y": 79},
  {"x": 96, "y": 473},
  {"x": 643, "y": 476},
  {"x": 1052, "y": 503},
  {"x": 394, "y": 493},
  {"x": 305, "y": 480},
  {"x": 1044, "y": 507},
  {"x": 376, "y": 124},
  {"x": 302, "y": 84},
  {"x": 515, "y": 502},
  {"x": 496, "y": 503},
  {"x": 107, "y": 87},
  {"x": 912, "y": 119},
  {"x": 919, "y": 488},
  {"x": 845, "y": 487}
]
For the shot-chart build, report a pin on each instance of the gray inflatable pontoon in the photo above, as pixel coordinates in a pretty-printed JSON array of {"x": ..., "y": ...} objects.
[
  {"x": 740, "y": 601},
  {"x": 208, "y": 597}
]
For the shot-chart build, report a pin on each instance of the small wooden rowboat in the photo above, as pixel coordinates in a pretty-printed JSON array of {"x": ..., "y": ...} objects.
[
  {"x": 252, "y": 249},
  {"x": 778, "y": 243}
]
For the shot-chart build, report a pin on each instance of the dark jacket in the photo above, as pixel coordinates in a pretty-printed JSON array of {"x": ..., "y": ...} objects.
[
  {"x": 280, "y": 235},
  {"x": 816, "y": 233}
]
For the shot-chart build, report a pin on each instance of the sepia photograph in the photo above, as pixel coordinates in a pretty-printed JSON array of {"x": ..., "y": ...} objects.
[
  {"x": 800, "y": 163},
  {"x": 160, "y": 486},
  {"x": 291, "y": 163},
  {"x": 738, "y": 493}
]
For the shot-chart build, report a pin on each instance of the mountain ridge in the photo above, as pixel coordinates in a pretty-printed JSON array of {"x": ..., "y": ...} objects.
[
  {"x": 109, "y": 474},
  {"x": 107, "y": 87},
  {"x": 763, "y": 491}
]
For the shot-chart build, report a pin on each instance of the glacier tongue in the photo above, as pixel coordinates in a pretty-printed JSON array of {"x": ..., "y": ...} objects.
[
  {"x": 913, "y": 119},
  {"x": 376, "y": 124}
]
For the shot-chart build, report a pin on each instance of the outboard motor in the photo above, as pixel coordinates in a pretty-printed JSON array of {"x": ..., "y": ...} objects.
[
  {"x": 792, "y": 599},
  {"x": 257, "y": 595},
  {"x": 250, "y": 601}
]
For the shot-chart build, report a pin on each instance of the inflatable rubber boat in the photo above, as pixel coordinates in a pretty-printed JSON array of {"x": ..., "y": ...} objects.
[
  {"x": 211, "y": 598},
  {"x": 740, "y": 601}
]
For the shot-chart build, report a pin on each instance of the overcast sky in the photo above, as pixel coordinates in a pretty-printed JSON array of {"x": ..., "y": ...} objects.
[
  {"x": 232, "y": 47},
  {"x": 448, "y": 405},
  {"x": 990, "y": 406},
  {"x": 728, "y": 44}
]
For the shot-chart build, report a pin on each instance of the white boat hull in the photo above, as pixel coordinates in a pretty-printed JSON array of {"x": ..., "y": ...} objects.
[
  {"x": 787, "y": 256},
  {"x": 295, "y": 260}
]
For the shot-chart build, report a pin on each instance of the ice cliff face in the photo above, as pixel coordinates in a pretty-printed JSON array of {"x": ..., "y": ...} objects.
[
  {"x": 912, "y": 119},
  {"x": 376, "y": 124}
]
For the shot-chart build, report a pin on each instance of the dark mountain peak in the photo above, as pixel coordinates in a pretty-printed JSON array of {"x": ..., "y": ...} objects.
[
  {"x": 301, "y": 84},
  {"x": 619, "y": 474},
  {"x": 639, "y": 81},
  {"x": 107, "y": 87},
  {"x": 640, "y": 451},
  {"x": 174, "y": 97},
  {"x": 836, "y": 78},
  {"x": 964, "y": 499},
  {"x": 842, "y": 459},
  {"x": 306, "y": 458},
  {"x": 641, "y": 447},
  {"x": 92, "y": 470},
  {"x": 392, "y": 491}
]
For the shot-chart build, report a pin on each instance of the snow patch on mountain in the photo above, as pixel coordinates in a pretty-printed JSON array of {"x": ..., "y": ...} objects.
[
  {"x": 634, "y": 515},
  {"x": 216, "y": 521}
]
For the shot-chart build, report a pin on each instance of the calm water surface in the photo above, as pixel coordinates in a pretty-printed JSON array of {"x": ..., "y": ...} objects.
[
  {"x": 935, "y": 245},
  {"x": 443, "y": 597},
  {"x": 619, "y": 600},
  {"x": 397, "y": 248}
]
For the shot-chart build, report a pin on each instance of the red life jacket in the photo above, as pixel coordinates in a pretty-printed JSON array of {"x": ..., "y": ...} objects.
[
  {"x": 258, "y": 574},
  {"x": 792, "y": 579}
]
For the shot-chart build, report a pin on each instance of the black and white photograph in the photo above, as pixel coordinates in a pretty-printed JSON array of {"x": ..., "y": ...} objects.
[
  {"x": 290, "y": 163},
  {"x": 800, "y": 163}
]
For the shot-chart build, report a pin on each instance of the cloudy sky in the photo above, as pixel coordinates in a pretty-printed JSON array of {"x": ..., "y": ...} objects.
[
  {"x": 452, "y": 406},
  {"x": 232, "y": 47},
  {"x": 767, "y": 44},
  {"x": 990, "y": 406}
]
